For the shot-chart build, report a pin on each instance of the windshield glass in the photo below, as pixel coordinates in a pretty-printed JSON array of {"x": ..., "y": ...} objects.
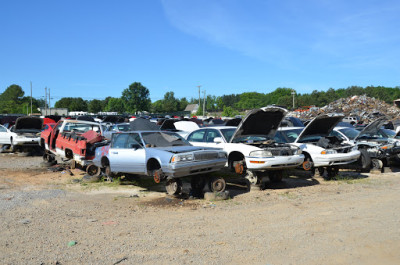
[
  {"x": 163, "y": 139},
  {"x": 81, "y": 127},
  {"x": 123, "y": 127},
  {"x": 350, "y": 133},
  {"x": 291, "y": 135},
  {"x": 388, "y": 133},
  {"x": 228, "y": 133},
  {"x": 251, "y": 139}
]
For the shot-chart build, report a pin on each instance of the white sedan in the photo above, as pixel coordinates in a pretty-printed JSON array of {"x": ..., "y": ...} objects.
[
  {"x": 252, "y": 152},
  {"x": 320, "y": 149}
]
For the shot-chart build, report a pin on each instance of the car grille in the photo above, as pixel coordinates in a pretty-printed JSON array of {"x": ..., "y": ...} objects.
[
  {"x": 205, "y": 156},
  {"x": 344, "y": 150},
  {"x": 283, "y": 151}
]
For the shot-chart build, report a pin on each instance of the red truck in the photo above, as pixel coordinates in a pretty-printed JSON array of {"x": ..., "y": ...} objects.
[{"x": 72, "y": 139}]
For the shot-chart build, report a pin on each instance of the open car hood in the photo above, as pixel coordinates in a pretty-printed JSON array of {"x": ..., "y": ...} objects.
[
  {"x": 321, "y": 125},
  {"x": 186, "y": 126},
  {"x": 373, "y": 127},
  {"x": 28, "y": 124},
  {"x": 143, "y": 125},
  {"x": 262, "y": 122}
]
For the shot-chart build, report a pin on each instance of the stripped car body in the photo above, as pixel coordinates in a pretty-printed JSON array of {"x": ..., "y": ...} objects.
[
  {"x": 25, "y": 133},
  {"x": 320, "y": 149},
  {"x": 377, "y": 144},
  {"x": 251, "y": 148},
  {"x": 159, "y": 154},
  {"x": 72, "y": 139}
]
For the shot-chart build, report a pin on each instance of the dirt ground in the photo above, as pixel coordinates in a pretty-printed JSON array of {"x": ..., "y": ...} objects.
[{"x": 49, "y": 218}]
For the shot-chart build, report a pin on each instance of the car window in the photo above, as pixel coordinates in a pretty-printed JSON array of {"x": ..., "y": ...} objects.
[
  {"x": 211, "y": 134},
  {"x": 132, "y": 142},
  {"x": 197, "y": 136},
  {"x": 228, "y": 133},
  {"x": 337, "y": 134},
  {"x": 2, "y": 129},
  {"x": 279, "y": 138},
  {"x": 119, "y": 140}
]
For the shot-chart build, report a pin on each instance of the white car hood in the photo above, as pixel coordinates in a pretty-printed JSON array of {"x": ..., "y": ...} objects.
[
  {"x": 264, "y": 121},
  {"x": 321, "y": 125},
  {"x": 187, "y": 126}
]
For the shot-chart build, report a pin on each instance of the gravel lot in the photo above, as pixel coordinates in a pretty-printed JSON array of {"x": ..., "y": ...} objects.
[{"x": 299, "y": 221}]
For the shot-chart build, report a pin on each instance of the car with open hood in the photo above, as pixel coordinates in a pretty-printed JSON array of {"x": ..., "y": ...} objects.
[
  {"x": 161, "y": 155},
  {"x": 374, "y": 140},
  {"x": 321, "y": 150},
  {"x": 252, "y": 151},
  {"x": 24, "y": 133}
]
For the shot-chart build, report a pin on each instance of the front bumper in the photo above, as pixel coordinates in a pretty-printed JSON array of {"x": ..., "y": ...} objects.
[
  {"x": 177, "y": 170},
  {"x": 275, "y": 162},
  {"x": 335, "y": 159}
]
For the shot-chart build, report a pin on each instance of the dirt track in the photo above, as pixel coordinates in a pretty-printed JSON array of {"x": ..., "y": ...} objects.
[{"x": 300, "y": 221}]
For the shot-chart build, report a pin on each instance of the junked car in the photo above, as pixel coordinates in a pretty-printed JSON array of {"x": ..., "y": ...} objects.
[
  {"x": 252, "y": 151},
  {"x": 116, "y": 128},
  {"x": 25, "y": 133},
  {"x": 161, "y": 155},
  {"x": 374, "y": 140},
  {"x": 321, "y": 150}
]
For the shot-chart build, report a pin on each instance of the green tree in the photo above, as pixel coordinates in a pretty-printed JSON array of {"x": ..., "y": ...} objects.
[
  {"x": 11, "y": 100},
  {"x": 136, "y": 98},
  {"x": 72, "y": 104},
  {"x": 182, "y": 104},
  {"x": 158, "y": 106},
  {"x": 115, "y": 105},
  {"x": 229, "y": 112},
  {"x": 95, "y": 106},
  {"x": 170, "y": 102}
]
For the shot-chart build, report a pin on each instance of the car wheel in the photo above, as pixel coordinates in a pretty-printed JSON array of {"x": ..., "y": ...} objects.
[
  {"x": 173, "y": 186},
  {"x": 93, "y": 170},
  {"x": 376, "y": 163},
  {"x": 13, "y": 147},
  {"x": 217, "y": 184},
  {"x": 158, "y": 175}
]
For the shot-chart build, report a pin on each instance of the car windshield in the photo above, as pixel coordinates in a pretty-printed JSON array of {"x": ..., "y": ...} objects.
[
  {"x": 388, "y": 133},
  {"x": 350, "y": 133},
  {"x": 81, "y": 127},
  {"x": 228, "y": 133},
  {"x": 123, "y": 127},
  {"x": 163, "y": 139},
  {"x": 291, "y": 135}
]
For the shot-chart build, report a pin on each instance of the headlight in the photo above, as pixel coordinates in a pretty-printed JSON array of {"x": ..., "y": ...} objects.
[
  {"x": 397, "y": 143},
  {"x": 297, "y": 151},
  {"x": 182, "y": 158},
  {"x": 222, "y": 155},
  {"x": 328, "y": 152},
  {"x": 354, "y": 148},
  {"x": 261, "y": 153}
]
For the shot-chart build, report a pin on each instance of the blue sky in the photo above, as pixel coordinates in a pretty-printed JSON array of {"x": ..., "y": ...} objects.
[{"x": 95, "y": 49}]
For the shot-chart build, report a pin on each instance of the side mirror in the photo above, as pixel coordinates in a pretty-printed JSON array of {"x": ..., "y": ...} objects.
[{"x": 218, "y": 140}]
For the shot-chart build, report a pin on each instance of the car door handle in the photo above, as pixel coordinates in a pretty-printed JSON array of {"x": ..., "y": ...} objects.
[{"x": 115, "y": 153}]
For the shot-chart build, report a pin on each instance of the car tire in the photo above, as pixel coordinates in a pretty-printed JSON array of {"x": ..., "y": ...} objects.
[
  {"x": 217, "y": 184},
  {"x": 364, "y": 161},
  {"x": 173, "y": 186},
  {"x": 93, "y": 170},
  {"x": 197, "y": 183},
  {"x": 276, "y": 176}
]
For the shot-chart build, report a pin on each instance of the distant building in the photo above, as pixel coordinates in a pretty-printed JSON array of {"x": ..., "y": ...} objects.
[
  {"x": 192, "y": 108},
  {"x": 53, "y": 111},
  {"x": 77, "y": 113}
]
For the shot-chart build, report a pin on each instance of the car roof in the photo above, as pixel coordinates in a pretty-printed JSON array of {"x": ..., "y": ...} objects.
[{"x": 289, "y": 128}]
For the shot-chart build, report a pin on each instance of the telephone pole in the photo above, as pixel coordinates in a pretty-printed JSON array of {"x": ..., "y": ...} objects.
[
  {"x": 45, "y": 101},
  {"x": 31, "y": 97},
  {"x": 199, "y": 95},
  {"x": 204, "y": 103},
  {"x": 49, "y": 102}
]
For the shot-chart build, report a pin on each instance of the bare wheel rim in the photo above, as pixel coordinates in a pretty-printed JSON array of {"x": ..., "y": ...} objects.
[
  {"x": 174, "y": 186},
  {"x": 217, "y": 184}
]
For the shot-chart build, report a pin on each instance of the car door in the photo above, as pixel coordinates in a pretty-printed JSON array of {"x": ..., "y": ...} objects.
[
  {"x": 126, "y": 154},
  {"x": 197, "y": 138},
  {"x": 4, "y": 135},
  {"x": 210, "y": 135}
]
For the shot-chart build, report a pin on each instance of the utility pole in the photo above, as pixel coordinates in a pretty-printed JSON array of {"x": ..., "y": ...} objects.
[
  {"x": 204, "y": 103},
  {"x": 49, "y": 102},
  {"x": 45, "y": 101},
  {"x": 293, "y": 93},
  {"x": 199, "y": 95},
  {"x": 31, "y": 97}
]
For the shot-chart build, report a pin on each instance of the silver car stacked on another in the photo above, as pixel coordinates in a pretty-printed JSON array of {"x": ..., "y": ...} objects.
[{"x": 163, "y": 156}]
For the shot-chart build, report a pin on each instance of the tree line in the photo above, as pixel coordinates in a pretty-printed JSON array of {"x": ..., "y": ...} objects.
[{"x": 136, "y": 98}]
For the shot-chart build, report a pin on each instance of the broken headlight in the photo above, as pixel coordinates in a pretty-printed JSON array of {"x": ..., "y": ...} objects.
[
  {"x": 182, "y": 158},
  {"x": 261, "y": 153},
  {"x": 328, "y": 152},
  {"x": 222, "y": 155},
  {"x": 297, "y": 151}
]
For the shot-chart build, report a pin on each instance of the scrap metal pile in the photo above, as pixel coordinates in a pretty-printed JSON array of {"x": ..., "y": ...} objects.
[{"x": 366, "y": 108}]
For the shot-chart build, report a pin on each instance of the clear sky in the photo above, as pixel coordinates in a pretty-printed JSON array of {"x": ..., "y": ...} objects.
[{"x": 95, "y": 49}]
